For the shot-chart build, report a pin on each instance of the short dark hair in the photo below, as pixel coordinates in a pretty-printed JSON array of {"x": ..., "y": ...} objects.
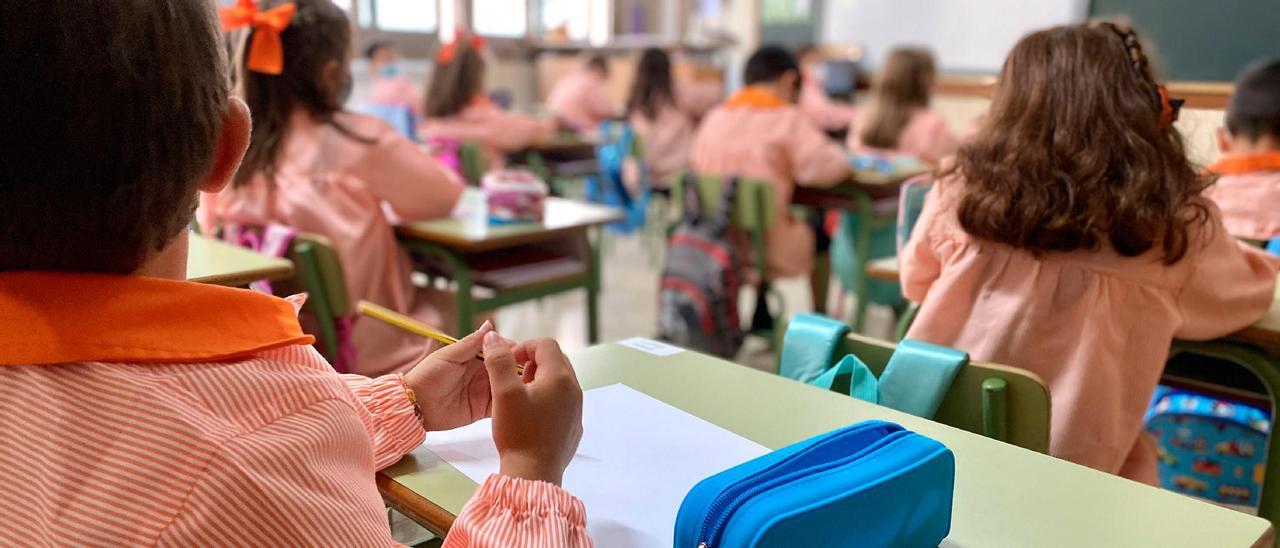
[
  {"x": 376, "y": 45},
  {"x": 769, "y": 63},
  {"x": 110, "y": 119},
  {"x": 598, "y": 62},
  {"x": 1254, "y": 108}
]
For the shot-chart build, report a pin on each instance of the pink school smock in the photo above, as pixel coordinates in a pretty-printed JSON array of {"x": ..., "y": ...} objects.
[
  {"x": 757, "y": 135},
  {"x": 667, "y": 140},
  {"x": 1248, "y": 192},
  {"x": 1094, "y": 325},
  {"x": 581, "y": 100},
  {"x": 352, "y": 193},
  {"x": 496, "y": 131},
  {"x": 925, "y": 137},
  {"x": 819, "y": 107}
]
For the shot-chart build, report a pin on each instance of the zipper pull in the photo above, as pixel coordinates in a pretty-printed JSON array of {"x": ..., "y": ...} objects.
[{"x": 703, "y": 544}]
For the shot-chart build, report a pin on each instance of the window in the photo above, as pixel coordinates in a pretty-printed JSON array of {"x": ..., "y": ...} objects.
[
  {"x": 573, "y": 15},
  {"x": 502, "y": 18},
  {"x": 405, "y": 15}
]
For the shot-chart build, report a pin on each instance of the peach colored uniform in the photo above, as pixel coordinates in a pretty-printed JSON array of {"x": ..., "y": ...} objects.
[
  {"x": 1248, "y": 192},
  {"x": 496, "y": 131},
  {"x": 667, "y": 139},
  {"x": 147, "y": 412},
  {"x": 925, "y": 136},
  {"x": 350, "y": 192},
  {"x": 581, "y": 100},
  {"x": 1095, "y": 326},
  {"x": 397, "y": 91},
  {"x": 756, "y": 135},
  {"x": 820, "y": 108},
  {"x": 698, "y": 97}
]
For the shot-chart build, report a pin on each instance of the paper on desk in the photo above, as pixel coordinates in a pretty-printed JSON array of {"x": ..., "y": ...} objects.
[{"x": 637, "y": 460}]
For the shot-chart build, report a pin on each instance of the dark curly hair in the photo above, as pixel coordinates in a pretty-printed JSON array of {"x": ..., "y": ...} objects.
[{"x": 1074, "y": 154}]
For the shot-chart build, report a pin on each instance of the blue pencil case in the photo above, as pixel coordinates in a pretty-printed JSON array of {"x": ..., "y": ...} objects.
[{"x": 870, "y": 484}]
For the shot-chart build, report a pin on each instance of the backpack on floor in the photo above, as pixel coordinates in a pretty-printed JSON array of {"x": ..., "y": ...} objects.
[
  {"x": 1208, "y": 447},
  {"x": 698, "y": 301}
]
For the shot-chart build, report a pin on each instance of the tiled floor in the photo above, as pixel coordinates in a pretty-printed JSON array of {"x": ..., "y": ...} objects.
[{"x": 629, "y": 304}]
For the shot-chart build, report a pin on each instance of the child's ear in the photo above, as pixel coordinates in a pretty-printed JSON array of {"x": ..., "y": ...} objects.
[
  {"x": 233, "y": 141},
  {"x": 1224, "y": 140}
]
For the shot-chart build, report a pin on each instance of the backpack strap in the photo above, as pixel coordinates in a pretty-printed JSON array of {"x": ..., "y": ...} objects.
[
  {"x": 728, "y": 197},
  {"x": 808, "y": 346},
  {"x": 918, "y": 376},
  {"x": 862, "y": 384},
  {"x": 692, "y": 199}
]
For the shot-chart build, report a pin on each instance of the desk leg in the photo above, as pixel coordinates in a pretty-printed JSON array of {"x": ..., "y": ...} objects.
[
  {"x": 1267, "y": 368},
  {"x": 593, "y": 286},
  {"x": 860, "y": 269},
  {"x": 464, "y": 300}
]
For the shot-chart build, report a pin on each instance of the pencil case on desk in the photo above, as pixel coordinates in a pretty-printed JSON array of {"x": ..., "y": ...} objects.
[{"x": 870, "y": 484}]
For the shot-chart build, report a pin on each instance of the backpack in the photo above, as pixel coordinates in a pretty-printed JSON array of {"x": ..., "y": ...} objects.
[
  {"x": 618, "y": 142},
  {"x": 698, "y": 300}
]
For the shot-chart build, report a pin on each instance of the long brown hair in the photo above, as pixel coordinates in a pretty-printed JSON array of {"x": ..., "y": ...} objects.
[
  {"x": 319, "y": 35},
  {"x": 653, "y": 87},
  {"x": 904, "y": 84},
  {"x": 456, "y": 83},
  {"x": 1073, "y": 152}
]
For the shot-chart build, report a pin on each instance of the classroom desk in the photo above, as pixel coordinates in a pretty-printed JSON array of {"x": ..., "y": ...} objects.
[
  {"x": 567, "y": 155},
  {"x": 460, "y": 254},
  {"x": 1004, "y": 495},
  {"x": 219, "y": 263}
]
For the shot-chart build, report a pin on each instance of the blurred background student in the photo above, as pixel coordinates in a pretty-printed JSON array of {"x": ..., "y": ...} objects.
[
  {"x": 653, "y": 109},
  {"x": 896, "y": 117},
  {"x": 581, "y": 99},
  {"x": 391, "y": 87}
]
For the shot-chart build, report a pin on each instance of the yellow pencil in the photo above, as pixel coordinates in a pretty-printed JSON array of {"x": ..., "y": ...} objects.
[{"x": 411, "y": 325}]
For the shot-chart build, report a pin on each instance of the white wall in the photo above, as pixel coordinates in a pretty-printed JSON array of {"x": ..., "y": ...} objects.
[{"x": 966, "y": 35}]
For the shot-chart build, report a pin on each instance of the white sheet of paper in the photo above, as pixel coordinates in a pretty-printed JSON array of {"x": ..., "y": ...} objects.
[
  {"x": 657, "y": 348},
  {"x": 637, "y": 460}
]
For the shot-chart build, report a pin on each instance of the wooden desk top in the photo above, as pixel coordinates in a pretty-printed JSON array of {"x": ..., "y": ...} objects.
[
  {"x": 877, "y": 185},
  {"x": 562, "y": 217},
  {"x": 1004, "y": 495},
  {"x": 1207, "y": 95},
  {"x": 1266, "y": 331},
  {"x": 214, "y": 262}
]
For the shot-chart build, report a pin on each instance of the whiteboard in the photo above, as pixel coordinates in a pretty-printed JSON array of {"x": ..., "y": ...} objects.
[{"x": 971, "y": 36}]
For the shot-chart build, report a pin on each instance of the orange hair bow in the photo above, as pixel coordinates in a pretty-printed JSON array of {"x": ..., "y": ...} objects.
[
  {"x": 266, "y": 53},
  {"x": 450, "y": 50}
]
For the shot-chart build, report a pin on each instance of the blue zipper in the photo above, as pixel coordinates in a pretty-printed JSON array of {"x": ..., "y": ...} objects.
[{"x": 718, "y": 512}]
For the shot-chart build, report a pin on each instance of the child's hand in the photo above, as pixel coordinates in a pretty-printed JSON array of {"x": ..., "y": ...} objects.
[
  {"x": 451, "y": 384},
  {"x": 537, "y": 417}
]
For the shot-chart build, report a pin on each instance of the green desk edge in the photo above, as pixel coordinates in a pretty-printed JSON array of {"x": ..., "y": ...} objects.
[{"x": 1005, "y": 495}]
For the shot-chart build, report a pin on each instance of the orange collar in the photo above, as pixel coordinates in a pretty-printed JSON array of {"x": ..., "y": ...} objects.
[
  {"x": 62, "y": 317},
  {"x": 1246, "y": 163},
  {"x": 755, "y": 97}
]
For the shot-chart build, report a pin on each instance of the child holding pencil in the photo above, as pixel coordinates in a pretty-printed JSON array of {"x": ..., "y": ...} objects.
[{"x": 141, "y": 409}]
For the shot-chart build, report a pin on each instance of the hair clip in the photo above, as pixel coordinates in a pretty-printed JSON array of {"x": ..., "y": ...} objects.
[
  {"x": 450, "y": 50},
  {"x": 266, "y": 52}
]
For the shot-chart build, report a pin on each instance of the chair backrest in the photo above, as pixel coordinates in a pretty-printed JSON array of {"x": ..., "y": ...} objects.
[
  {"x": 997, "y": 401},
  {"x": 910, "y": 205},
  {"x": 319, "y": 273},
  {"x": 473, "y": 162},
  {"x": 754, "y": 208}
]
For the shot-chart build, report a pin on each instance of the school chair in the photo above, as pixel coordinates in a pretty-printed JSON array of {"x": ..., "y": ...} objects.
[
  {"x": 1264, "y": 367},
  {"x": 997, "y": 401},
  {"x": 318, "y": 272},
  {"x": 754, "y": 212},
  {"x": 472, "y": 162}
]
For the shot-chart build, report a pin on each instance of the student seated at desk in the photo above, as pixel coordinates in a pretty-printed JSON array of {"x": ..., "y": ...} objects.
[
  {"x": 814, "y": 101},
  {"x": 582, "y": 99},
  {"x": 320, "y": 169},
  {"x": 458, "y": 108},
  {"x": 1080, "y": 257},
  {"x": 143, "y": 410},
  {"x": 654, "y": 110},
  {"x": 760, "y": 133},
  {"x": 897, "y": 118},
  {"x": 1248, "y": 186},
  {"x": 391, "y": 87}
]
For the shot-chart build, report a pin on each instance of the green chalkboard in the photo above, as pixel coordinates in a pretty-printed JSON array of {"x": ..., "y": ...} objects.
[{"x": 1204, "y": 40}]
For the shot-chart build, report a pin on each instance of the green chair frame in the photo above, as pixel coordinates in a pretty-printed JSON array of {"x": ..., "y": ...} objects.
[
  {"x": 754, "y": 213},
  {"x": 319, "y": 273},
  {"x": 473, "y": 163},
  {"x": 997, "y": 401},
  {"x": 870, "y": 222},
  {"x": 1267, "y": 368}
]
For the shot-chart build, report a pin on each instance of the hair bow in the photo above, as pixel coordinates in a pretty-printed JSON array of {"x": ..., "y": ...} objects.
[
  {"x": 450, "y": 50},
  {"x": 266, "y": 52}
]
